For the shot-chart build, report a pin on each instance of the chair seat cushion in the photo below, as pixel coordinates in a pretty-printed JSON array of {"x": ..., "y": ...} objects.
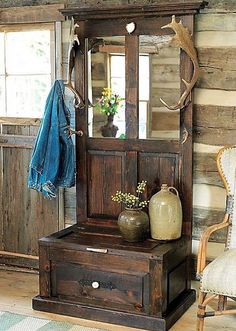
[{"x": 220, "y": 275}]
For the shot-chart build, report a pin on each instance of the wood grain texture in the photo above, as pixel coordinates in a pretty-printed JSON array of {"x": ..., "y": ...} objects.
[
  {"x": 131, "y": 83},
  {"x": 21, "y": 207},
  {"x": 20, "y": 121},
  {"x": 217, "y": 68},
  {"x": 214, "y": 136},
  {"x": 205, "y": 162},
  {"x": 205, "y": 217},
  {"x": 31, "y": 14},
  {"x": 213, "y": 116},
  {"x": 220, "y": 131},
  {"x": 105, "y": 173},
  {"x": 216, "y": 78},
  {"x": 137, "y": 10},
  {"x": 157, "y": 170},
  {"x": 186, "y": 120},
  {"x": 218, "y": 58}
]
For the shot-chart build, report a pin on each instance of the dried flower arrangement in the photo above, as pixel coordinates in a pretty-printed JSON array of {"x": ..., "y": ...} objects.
[{"x": 131, "y": 200}]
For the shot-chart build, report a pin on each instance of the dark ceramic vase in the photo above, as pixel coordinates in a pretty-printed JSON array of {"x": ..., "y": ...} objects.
[
  {"x": 133, "y": 224},
  {"x": 109, "y": 129}
]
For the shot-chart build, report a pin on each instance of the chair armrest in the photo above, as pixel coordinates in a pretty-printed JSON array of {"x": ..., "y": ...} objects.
[{"x": 201, "y": 261}]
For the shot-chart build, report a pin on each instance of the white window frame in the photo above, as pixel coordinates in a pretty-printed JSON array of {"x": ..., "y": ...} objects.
[{"x": 31, "y": 27}]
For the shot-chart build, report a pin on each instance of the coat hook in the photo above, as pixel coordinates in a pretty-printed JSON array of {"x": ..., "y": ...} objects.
[{"x": 130, "y": 27}]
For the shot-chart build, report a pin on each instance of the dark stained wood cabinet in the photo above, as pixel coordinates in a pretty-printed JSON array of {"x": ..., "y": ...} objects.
[{"x": 88, "y": 270}]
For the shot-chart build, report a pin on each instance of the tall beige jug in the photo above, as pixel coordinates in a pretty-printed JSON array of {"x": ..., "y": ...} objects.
[{"x": 165, "y": 213}]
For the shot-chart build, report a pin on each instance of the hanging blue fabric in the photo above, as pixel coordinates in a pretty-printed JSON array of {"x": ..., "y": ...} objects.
[{"x": 53, "y": 159}]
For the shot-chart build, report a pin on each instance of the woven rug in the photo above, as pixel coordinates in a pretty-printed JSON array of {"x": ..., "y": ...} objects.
[{"x": 16, "y": 322}]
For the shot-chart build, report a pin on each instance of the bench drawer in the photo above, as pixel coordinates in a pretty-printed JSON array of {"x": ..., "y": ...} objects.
[{"x": 79, "y": 283}]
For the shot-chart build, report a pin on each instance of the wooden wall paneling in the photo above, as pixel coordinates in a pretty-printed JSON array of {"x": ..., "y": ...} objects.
[
  {"x": 81, "y": 124},
  {"x": 19, "y": 121},
  {"x": 31, "y": 14},
  {"x": 70, "y": 206},
  {"x": 131, "y": 85},
  {"x": 106, "y": 176},
  {"x": 23, "y": 208}
]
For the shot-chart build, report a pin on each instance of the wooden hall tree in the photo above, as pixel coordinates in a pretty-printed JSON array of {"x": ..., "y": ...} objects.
[{"x": 87, "y": 270}]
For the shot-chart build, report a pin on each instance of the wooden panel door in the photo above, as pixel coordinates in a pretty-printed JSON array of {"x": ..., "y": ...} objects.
[{"x": 25, "y": 216}]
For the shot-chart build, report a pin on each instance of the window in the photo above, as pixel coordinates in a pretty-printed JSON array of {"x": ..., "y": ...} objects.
[
  {"x": 26, "y": 70},
  {"x": 117, "y": 76}
]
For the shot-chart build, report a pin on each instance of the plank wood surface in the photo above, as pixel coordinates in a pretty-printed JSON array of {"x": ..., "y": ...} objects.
[{"x": 31, "y": 14}]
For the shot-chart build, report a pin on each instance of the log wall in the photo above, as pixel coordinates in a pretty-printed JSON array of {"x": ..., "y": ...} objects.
[{"x": 214, "y": 113}]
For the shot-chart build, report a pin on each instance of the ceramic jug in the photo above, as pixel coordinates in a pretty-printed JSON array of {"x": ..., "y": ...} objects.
[
  {"x": 165, "y": 213},
  {"x": 133, "y": 224}
]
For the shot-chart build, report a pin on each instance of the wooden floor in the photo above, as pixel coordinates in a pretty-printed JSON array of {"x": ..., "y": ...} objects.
[{"x": 18, "y": 288}]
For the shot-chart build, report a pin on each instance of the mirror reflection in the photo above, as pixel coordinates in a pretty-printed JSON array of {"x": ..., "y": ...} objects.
[
  {"x": 159, "y": 78},
  {"x": 107, "y": 87}
]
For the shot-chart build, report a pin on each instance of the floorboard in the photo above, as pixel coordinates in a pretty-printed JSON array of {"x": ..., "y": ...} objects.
[{"x": 18, "y": 288}]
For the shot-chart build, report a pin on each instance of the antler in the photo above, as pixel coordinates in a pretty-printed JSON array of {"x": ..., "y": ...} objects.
[{"x": 183, "y": 39}]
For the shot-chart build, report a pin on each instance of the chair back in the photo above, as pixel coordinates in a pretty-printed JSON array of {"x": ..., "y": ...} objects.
[{"x": 226, "y": 162}]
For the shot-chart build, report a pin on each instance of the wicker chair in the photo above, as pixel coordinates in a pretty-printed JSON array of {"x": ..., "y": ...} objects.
[{"x": 218, "y": 278}]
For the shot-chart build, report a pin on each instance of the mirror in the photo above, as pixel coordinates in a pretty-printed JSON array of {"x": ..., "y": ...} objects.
[
  {"x": 106, "y": 87},
  {"x": 159, "y": 72}
]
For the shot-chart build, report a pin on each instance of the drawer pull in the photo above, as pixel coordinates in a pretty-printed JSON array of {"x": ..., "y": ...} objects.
[
  {"x": 95, "y": 284},
  {"x": 97, "y": 250}
]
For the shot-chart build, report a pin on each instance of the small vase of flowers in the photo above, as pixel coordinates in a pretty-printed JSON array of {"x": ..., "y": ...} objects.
[
  {"x": 133, "y": 222},
  {"x": 109, "y": 105}
]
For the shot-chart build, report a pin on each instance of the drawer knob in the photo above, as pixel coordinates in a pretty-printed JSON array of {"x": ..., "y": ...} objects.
[{"x": 95, "y": 284}]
